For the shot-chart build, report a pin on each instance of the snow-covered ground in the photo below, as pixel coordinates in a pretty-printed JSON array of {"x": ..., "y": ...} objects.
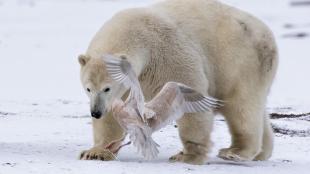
[{"x": 44, "y": 114}]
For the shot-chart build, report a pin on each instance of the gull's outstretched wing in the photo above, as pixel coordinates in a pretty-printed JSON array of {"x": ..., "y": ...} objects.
[
  {"x": 121, "y": 71},
  {"x": 174, "y": 100},
  {"x": 195, "y": 101}
]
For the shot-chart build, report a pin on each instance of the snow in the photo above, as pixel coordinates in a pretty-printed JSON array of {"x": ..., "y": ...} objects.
[{"x": 44, "y": 113}]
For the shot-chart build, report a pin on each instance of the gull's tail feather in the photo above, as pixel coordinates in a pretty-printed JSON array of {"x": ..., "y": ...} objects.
[
  {"x": 150, "y": 151},
  {"x": 143, "y": 141}
]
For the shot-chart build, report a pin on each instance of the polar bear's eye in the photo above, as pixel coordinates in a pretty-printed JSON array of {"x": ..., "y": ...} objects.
[
  {"x": 106, "y": 89},
  {"x": 88, "y": 90}
]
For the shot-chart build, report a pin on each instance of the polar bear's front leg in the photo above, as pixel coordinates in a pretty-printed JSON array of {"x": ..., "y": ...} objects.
[
  {"x": 194, "y": 131},
  {"x": 105, "y": 131}
]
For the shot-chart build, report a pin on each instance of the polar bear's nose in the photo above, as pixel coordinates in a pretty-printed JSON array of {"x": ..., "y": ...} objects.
[{"x": 96, "y": 114}]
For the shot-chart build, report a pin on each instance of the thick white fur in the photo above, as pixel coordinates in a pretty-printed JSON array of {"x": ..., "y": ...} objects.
[{"x": 214, "y": 48}]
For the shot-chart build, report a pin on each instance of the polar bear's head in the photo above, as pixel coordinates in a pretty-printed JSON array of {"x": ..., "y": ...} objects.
[{"x": 99, "y": 87}]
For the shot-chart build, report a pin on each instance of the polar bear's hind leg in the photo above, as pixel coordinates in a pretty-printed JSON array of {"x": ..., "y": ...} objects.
[{"x": 245, "y": 121}]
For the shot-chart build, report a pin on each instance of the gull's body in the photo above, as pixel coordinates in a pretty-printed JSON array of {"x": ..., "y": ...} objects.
[
  {"x": 139, "y": 132},
  {"x": 140, "y": 119}
]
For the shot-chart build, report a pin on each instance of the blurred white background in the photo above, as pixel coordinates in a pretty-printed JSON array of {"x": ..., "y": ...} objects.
[{"x": 41, "y": 39}]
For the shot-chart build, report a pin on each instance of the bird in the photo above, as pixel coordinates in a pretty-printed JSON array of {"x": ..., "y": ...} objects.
[{"x": 140, "y": 119}]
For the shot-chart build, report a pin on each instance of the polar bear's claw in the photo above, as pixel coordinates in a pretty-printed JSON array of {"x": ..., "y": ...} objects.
[
  {"x": 97, "y": 154},
  {"x": 234, "y": 154}
]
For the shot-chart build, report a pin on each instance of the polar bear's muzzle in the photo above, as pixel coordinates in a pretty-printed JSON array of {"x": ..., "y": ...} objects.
[
  {"x": 97, "y": 107},
  {"x": 96, "y": 114}
]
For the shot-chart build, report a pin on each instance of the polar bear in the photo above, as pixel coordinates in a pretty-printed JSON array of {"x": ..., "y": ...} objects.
[{"x": 214, "y": 48}]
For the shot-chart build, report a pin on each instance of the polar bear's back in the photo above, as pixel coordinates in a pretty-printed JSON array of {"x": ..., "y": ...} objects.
[{"x": 228, "y": 43}]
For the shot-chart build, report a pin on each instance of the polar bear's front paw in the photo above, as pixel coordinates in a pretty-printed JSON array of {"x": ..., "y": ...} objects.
[
  {"x": 235, "y": 154},
  {"x": 188, "y": 158},
  {"x": 96, "y": 153}
]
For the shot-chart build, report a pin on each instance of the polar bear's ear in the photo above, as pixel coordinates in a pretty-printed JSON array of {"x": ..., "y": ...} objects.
[{"x": 83, "y": 59}]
